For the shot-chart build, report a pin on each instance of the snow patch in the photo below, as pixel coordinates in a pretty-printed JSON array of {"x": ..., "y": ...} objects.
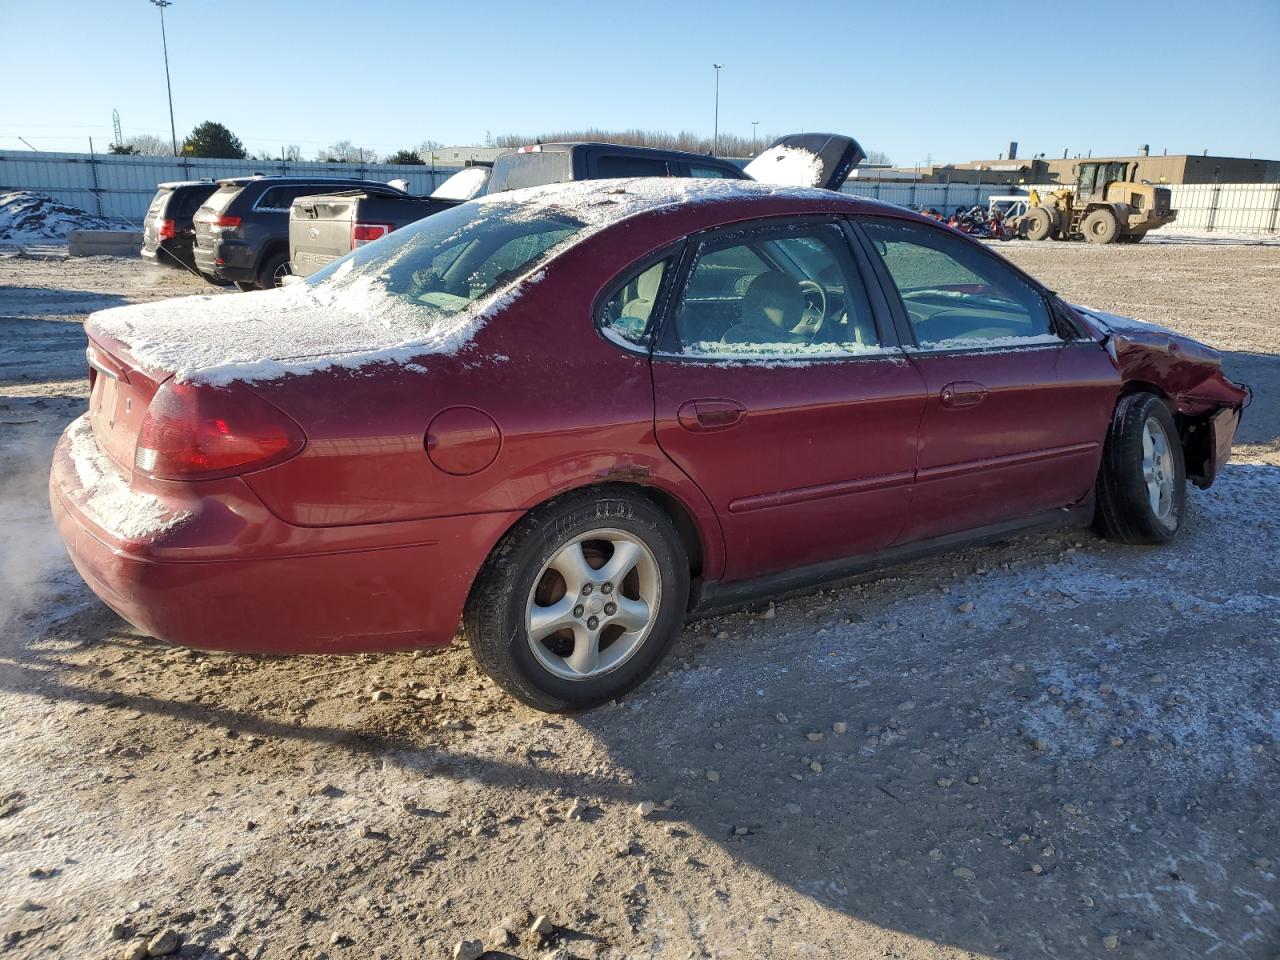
[
  {"x": 784, "y": 164},
  {"x": 105, "y": 493},
  {"x": 987, "y": 343},
  {"x": 463, "y": 185},
  {"x": 27, "y": 217}
]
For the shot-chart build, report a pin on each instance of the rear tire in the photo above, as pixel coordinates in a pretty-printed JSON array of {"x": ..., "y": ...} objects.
[
  {"x": 1142, "y": 483},
  {"x": 538, "y": 633},
  {"x": 1037, "y": 224},
  {"x": 273, "y": 270},
  {"x": 1100, "y": 226}
]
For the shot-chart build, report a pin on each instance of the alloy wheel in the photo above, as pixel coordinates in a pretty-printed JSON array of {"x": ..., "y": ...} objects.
[{"x": 593, "y": 604}]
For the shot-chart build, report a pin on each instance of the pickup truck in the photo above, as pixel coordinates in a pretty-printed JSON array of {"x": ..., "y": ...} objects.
[{"x": 323, "y": 228}]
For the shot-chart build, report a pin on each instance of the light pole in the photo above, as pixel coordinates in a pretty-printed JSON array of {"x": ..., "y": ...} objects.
[
  {"x": 754, "y": 125},
  {"x": 173, "y": 130},
  {"x": 715, "y": 139}
]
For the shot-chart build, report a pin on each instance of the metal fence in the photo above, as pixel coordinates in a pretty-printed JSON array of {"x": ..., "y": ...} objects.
[
  {"x": 119, "y": 187},
  {"x": 1210, "y": 207}
]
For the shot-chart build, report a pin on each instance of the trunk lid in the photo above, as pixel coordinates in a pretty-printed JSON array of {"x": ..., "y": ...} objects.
[
  {"x": 119, "y": 394},
  {"x": 807, "y": 160}
]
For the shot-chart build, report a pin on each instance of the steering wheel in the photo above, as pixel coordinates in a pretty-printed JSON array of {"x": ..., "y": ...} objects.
[{"x": 815, "y": 307}]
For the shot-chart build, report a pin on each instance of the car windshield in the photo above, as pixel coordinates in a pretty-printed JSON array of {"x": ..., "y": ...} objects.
[{"x": 451, "y": 259}]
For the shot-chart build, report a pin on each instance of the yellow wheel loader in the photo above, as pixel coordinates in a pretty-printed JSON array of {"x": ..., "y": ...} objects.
[{"x": 1106, "y": 205}]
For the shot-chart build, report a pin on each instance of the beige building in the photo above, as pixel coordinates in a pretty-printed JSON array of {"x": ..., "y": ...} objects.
[{"x": 1173, "y": 168}]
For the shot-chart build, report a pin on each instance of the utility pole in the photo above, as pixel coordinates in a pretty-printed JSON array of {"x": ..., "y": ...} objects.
[
  {"x": 173, "y": 129},
  {"x": 754, "y": 125},
  {"x": 715, "y": 139}
]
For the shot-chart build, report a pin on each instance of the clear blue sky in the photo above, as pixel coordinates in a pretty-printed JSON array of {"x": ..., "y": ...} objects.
[{"x": 948, "y": 80}]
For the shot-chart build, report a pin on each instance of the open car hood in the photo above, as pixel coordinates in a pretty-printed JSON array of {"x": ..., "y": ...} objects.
[{"x": 807, "y": 160}]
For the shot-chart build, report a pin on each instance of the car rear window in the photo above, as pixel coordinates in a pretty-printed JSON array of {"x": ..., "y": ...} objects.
[
  {"x": 187, "y": 200},
  {"x": 222, "y": 197},
  {"x": 158, "y": 202},
  {"x": 448, "y": 261},
  {"x": 516, "y": 170}
]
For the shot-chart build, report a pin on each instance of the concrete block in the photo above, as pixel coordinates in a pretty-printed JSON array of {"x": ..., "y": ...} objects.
[{"x": 104, "y": 243}]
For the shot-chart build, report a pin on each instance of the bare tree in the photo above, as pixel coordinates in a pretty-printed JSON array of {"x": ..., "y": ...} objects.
[
  {"x": 344, "y": 151},
  {"x": 293, "y": 152},
  {"x": 149, "y": 145}
]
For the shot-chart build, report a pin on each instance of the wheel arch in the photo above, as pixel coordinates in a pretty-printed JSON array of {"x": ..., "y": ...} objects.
[
  {"x": 699, "y": 531},
  {"x": 1193, "y": 436}
]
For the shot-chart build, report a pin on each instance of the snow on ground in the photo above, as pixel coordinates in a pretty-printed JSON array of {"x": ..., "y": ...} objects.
[{"x": 27, "y": 217}]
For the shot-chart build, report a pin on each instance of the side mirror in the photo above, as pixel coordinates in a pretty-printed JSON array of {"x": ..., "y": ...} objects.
[{"x": 882, "y": 248}]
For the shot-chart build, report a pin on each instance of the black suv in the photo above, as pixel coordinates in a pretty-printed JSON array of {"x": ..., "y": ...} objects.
[
  {"x": 167, "y": 232},
  {"x": 242, "y": 231},
  {"x": 543, "y": 163}
]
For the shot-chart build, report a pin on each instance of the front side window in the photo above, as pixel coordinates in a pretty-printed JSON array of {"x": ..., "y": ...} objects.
[
  {"x": 715, "y": 173},
  {"x": 780, "y": 293},
  {"x": 628, "y": 313},
  {"x": 956, "y": 295}
]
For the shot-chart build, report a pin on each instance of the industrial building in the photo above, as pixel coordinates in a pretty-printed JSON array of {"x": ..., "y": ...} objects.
[{"x": 1010, "y": 169}]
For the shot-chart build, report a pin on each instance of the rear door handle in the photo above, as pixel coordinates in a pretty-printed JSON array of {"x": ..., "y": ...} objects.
[
  {"x": 702, "y": 416},
  {"x": 963, "y": 393}
]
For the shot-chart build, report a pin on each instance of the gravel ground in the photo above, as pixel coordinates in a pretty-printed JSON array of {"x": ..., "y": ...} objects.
[{"x": 1082, "y": 763}]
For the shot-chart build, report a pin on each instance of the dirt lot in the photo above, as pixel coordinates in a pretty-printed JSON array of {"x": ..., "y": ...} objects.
[{"x": 1083, "y": 763}]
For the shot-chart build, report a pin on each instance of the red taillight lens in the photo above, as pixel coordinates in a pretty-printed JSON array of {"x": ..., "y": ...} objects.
[
  {"x": 218, "y": 223},
  {"x": 362, "y": 233},
  {"x": 196, "y": 432},
  {"x": 167, "y": 230}
]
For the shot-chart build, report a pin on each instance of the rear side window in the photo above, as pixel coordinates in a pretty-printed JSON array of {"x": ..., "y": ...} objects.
[
  {"x": 697, "y": 170},
  {"x": 608, "y": 167},
  {"x": 957, "y": 296},
  {"x": 628, "y": 312},
  {"x": 281, "y": 198}
]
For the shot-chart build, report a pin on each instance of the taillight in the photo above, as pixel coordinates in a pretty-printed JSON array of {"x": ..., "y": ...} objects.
[
  {"x": 218, "y": 223},
  {"x": 362, "y": 233},
  {"x": 198, "y": 432},
  {"x": 167, "y": 230}
]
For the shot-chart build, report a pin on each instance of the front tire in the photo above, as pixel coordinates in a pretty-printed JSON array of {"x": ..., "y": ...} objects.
[
  {"x": 580, "y": 601},
  {"x": 1100, "y": 226},
  {"x": 1037, "y": 224},
  {"x": 1142, "y": 484}
]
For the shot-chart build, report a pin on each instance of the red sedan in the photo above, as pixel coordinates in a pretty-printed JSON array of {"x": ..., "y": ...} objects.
[{"x": 565, "y": 417}]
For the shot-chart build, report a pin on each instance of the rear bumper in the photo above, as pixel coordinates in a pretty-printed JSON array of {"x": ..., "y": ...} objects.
[
  {"x": 271, "y": 587},
  {"x": 239, "y": 261}
]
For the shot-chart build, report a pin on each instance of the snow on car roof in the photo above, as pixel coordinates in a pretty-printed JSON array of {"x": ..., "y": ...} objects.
[
  {"x": 786, "y": 164},
  {"x": 352, "y": 322}
]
